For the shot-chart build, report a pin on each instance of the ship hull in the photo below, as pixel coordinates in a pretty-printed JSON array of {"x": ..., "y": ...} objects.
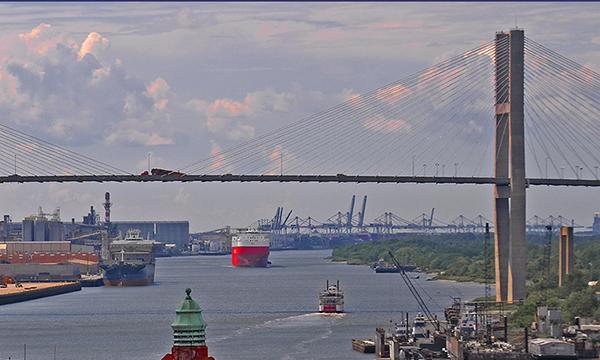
[
  {"x": 127, "y": 275},
  {"x": 250, "y": 256},
  {"x": 331, "y": 308}
]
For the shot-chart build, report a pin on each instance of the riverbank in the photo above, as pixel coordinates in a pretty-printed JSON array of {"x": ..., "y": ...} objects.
[
  {"x": 430, "y": 275},
  {"x": 29, "y": 291},
  {"x": 459, "y": 257}
]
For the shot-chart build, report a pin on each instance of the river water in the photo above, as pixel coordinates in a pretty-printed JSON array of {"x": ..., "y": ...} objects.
[{"x": 252, "y": 313}]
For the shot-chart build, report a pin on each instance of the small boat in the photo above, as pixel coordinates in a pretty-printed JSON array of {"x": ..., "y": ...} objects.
[
  {"x": 401, "y": 332},
  {"x": 384, "y": 267},
  {"x": 419, "y": 329},
  {"x": 331, "y": 300}
]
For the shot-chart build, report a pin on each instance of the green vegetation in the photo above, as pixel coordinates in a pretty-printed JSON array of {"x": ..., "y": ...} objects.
[
  {"x": 455, "y": 256},
  {"x": 461, "y": 257}
]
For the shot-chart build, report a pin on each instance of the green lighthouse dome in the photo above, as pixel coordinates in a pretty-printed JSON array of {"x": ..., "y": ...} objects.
[{"x": 189, "y": 326}]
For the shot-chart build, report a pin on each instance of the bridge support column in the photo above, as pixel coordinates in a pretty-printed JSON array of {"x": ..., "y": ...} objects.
[
  {"x": 501, "y": 192},
  {"x": 565, "y": 254},
  {"x": 517, "y": 256},
  {"x": 509, "y": 202}
]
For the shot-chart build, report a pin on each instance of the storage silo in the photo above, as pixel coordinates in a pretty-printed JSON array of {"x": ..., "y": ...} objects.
[
  {"x": 40, "y": 228},
  {"x": 28, "y": 228},
  {"x": 55, "y": 230}
]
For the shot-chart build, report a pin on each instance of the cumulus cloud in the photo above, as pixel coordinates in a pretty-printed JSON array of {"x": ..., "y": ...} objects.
[
  {"x": 92, "y": 44},
  {"x": 65, "y": 93},
  {"x": 159, "y": 91},
  {"x": 235, "y": 119},
  {"x": 40, "y": 39},
  {"x": 35, "y": 32}
]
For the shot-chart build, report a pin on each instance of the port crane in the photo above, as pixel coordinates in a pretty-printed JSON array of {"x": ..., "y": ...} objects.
[{"x": 415, "y": 293}]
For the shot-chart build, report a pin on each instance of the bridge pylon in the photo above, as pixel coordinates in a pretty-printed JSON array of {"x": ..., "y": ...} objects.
[{"x": 509, "y": 162}]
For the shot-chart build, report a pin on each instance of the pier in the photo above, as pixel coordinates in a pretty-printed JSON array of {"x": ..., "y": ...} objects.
[{"x": 29, "y": 291}]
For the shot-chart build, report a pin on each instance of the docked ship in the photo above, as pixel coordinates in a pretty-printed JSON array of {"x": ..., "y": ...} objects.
[
  {"x": 131, "y": 262},
  {"x": 384, "y": 267},
  {"x": 250, "y": 249},
  {"x": 331, "y": 300}
]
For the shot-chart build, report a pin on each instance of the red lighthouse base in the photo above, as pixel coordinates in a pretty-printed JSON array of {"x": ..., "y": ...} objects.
[{"x": 188, "y": 353}]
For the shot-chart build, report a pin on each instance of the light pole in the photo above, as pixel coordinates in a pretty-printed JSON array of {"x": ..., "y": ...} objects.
[
  {"x": 149, "y": 156},
  {"x": 424, "y": 169}
]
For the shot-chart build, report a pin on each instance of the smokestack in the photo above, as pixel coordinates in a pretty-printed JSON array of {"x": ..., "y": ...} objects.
[{"x": 107, "y": 205}]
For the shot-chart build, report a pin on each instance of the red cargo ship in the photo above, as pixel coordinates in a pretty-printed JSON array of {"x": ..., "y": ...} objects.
[{"x": 250, "y": 249}]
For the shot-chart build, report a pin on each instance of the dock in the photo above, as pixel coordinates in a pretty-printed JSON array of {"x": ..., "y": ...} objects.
[
  {"x": 91, "y": 280},
  {"x": 29, "y": 291},
  {"x": 365, "y": 346}
]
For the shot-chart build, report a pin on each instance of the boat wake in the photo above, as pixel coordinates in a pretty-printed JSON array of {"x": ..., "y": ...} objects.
[
  {"x": 304, "y": 320},
  {"x": 310, "y": 320}
]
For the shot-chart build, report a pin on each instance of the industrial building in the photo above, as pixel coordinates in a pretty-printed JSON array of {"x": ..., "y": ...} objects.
[
  {"x": 46, "y": 260},
  {"x": 167, "y": 232},
  {"x": 43, "y": 227},
  {"x": 216, "y": 241}
]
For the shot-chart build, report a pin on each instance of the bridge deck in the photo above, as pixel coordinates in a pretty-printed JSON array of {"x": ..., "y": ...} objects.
[{"x": 339, "y": 178}]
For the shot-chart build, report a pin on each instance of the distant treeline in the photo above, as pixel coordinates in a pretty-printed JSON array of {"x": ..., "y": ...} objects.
[
  {"x": 461, "y": 257},
  {"x": 456, "y": 256}
]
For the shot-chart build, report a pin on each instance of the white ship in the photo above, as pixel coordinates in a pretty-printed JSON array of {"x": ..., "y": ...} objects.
[{"x": 331, "y": 300}]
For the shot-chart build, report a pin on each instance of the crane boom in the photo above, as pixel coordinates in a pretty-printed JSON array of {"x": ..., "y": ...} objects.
[
  {"x": 361, "y": 220},
  {"x": 431, "y": 217},
  {"x": 415, "y": 293},
  {"x": 286, "y": 218},
  {"x": 350, "y": 214}
]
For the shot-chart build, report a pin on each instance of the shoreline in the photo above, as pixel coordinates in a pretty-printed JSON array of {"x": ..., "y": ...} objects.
[
  {"x": 30, "y": 291},
  {"x": 431, "y": 276}
]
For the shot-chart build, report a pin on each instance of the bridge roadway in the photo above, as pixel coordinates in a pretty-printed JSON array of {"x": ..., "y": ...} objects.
[{"x": 339, "y": 178}]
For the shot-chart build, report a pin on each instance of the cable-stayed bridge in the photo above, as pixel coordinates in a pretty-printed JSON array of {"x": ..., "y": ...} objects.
[
  {"x": 434, "y": 126},
  {"x": 489, "y": 115}
]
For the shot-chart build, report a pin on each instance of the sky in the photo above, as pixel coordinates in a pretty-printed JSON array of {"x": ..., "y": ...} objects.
[{"x": 182, "y": 81}]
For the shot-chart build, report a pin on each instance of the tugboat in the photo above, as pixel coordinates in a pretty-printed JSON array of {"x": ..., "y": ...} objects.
[
  {"x": 131, "y": 261},
  {"x": 400, "y": 333},
  {"x": 331, "y": 300},
  {"x": 419, "y": 329}
]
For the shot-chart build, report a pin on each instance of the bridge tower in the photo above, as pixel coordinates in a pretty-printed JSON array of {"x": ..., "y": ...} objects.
[{"x": 509, "y": 162}]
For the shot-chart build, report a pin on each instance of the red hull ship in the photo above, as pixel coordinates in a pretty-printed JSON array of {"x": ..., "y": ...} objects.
[{"x": 250, "y": 249}]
